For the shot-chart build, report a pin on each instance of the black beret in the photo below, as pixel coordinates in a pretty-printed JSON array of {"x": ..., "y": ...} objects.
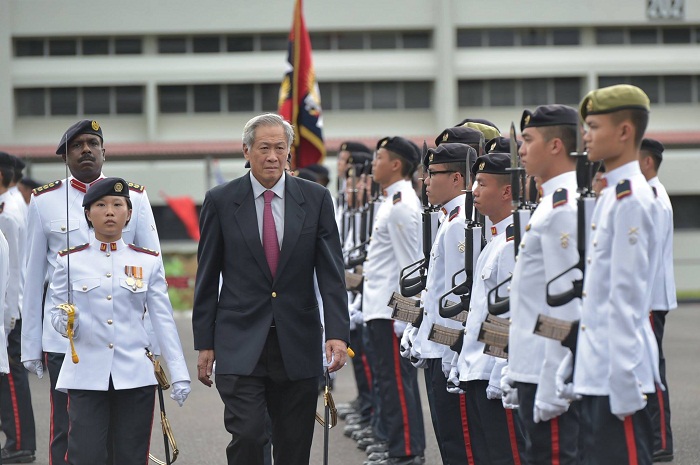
[
  {"x": 85, "y": 126},
  {"x": 459, "y": 135},
  {"x": 549, "y": 115},
  {"x": 654, "y": 147},
  {"x": 104, "y": 187},
  {"x": 450, "y": 153},
  {"x": 7, "y": 160},
  {"x": 19, "y": 164},
  {"x": 492, "y": 163},
  {"x": 30, "y": 183},
  {"x": 352, "y": 146},
  {"x": 500, "y": 144},
  {"x": 359, "y": 158},
  {"x": 485, "y": 122},
  {"x": 307, "y": 174},
  {"x": 320, "y": 170},
  {"x": 402, "y": 147}
]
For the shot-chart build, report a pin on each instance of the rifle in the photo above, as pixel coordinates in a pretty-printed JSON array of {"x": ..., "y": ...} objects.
[
  {"x": 358, "y": 253},
  {"x": 409, "y": 284},
  {"x": 521, "y": 214}
]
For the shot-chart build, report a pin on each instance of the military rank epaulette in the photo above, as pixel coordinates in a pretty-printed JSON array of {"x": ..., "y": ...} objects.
[
  {"x": 75, "y": 248},
  {"x": 560, "y": 197},
  {"x": 510, "y": 232},
  {"x": 397, "y": 197},
  {"x": 136, "y": 187},
  {"x": 155, "y": 253},
  {"x": 454, "y": 213},
  {"x": 47, "y": 187},
  {"x": 623, "y": 189}
]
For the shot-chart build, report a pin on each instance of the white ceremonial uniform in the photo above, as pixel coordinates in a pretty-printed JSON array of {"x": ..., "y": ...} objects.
[
  {"x": 4, "y": 278},
  {"x": 547, "y": 249},
  {"x": 46, "y": 229},
  {"x": 14, "y": 226},
  {"x": 110, "y": 337},
  {"x": 664, "y": 292},
  {"x": 395, "y": 244},
  {"x": 495, "y": 265},
  {"x": 446, "y": 259},
  {"x": 617, "y": 354}
]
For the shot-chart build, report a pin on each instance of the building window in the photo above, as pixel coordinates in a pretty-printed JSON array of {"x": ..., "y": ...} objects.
[
  {"x": 567, "y": 91},
  {"x": 469, "y": 38},
  {"x": 610, "y": 36},
  {"x": 676, "y": 35},
  {"x": 350, "y": 41},
  {"x": 207, "y": 98},
  {"x": 239, "y": 43},
  {"x": 241, "y": 97},
  {"x": 172, "y": 45},
  {"x": 128, "y": 46},
  {"x": 532, "y": 37},
  {"x": 63, "y": 100},
  {"x": 95, "y": 46},
  {"x": 320, "y": 41},
  {"x": 270, "y": 95},
  {"x": 30, "y": 102},
  {"x": 678, "y": 89},
  {"x": 660, "y": 89},
  {"x": 172, "y": 99},
  {"x": 351, "y": 96},
  {"x": 96, "y": 100},
  {"x": 643, "y": 36},
  {"x": 382, "y": 40},
  {"x": 63, "y": 47},
  {"x": 649, "y": 84},
  {"x": 502, "y": 93},
  {"x": 129, "y": 100},
  {"x": 501, "y": 37},
  {"x": 519, "y": 92},
  {"x": 206, "y": 44},
  {"x": 566, "y": 37},
  {"x": 385, "y": 95},
  {"x": 471, "y": 93},
  {"x": 29, "y": 47},
  {"x": 415, "y": 40},
  {"x": 417, "y": 95},
  {"x": 273, "y": 42}
]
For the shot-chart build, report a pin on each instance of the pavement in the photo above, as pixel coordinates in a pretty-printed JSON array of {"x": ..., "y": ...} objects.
[{"x": 202, "y": 438}]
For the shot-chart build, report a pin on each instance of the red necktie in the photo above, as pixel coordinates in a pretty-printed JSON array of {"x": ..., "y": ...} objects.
[{"x": 269, "y": 236}]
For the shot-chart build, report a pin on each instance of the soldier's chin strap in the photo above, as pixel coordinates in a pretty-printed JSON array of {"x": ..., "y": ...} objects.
[{"x": 168, "y": 437}]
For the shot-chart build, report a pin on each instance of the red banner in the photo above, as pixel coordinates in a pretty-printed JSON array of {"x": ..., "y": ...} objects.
[{"x": 300, "y": 99}]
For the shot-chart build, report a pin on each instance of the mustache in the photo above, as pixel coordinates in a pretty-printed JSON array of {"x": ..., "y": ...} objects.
[{"x": 86, "y": 158}]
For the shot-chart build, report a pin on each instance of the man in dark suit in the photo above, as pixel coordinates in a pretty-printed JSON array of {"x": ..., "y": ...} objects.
[{"x": 265, "y": 233}]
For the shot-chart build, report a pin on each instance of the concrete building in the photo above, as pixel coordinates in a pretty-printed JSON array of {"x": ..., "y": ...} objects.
[{"x": 173, "y": 82}]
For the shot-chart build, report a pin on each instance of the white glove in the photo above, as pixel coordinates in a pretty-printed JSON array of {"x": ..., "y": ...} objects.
[
  {"x": 419, "y": 362},
  {"x": 356, "y": 316},
  {"x": 181, "y": 389},
  {"x": 59, "y": 321},
  {"x": 399, "y": 327},
  {"x": 566, "y": 368},
  {"x": 449, "y": 361},
  {"x": 510, "y": 392},
  {"x": 35, "y": 366},
  {"x": 493, "y": 392},
  {"x": 544, "y": 411},
  {"x": 406, "y": 342},
  {"x": 453, "y": 382}
]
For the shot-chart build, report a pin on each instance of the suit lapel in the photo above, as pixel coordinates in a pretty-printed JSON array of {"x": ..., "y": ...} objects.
[
  {"x": 247, "y": 219},
  {"x": 294, "y": 215}
]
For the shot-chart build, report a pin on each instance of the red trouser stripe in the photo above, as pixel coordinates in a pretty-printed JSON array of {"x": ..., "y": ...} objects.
[
  {"x": 662, "y": 416},
  {"x": 511, "y": 435},
  {"x": 368, "y": 372},
  {"x": 629, "y": 439},
  {"x": 15, "y": 410},
  {"x": 402, "y": 395},
  {"x": 465, "y": 428},
  {"x": 554, "y": 425}
]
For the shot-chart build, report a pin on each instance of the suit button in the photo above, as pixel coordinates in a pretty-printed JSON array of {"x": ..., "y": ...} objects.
[
  {"x": 111, "y": 346},
  {"x": 109, "y": 275},
  {"x": 274, "y": 294},
  {"x": 109, "y": 322},
  {"x": 109, "y": 297}
]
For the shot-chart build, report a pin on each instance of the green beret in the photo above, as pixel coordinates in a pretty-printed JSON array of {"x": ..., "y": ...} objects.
[
  {"x": 612, "y": 99},
  {"x": 489, "y": 132}
]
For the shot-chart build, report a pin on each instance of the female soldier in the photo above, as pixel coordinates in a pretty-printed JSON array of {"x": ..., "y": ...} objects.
[{"x": 112, "y": 385}]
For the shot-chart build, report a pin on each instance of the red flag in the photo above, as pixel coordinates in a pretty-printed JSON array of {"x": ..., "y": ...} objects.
[
  {"x": 186, "y": 210},
  {"x": 300, "y": 99}
]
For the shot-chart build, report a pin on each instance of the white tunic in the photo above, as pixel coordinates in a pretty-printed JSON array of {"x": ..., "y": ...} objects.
[{"x": 664, "y": 292}]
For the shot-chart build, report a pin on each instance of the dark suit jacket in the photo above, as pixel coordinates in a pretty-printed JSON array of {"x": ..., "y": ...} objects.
[{"x": 236, "y": 321}]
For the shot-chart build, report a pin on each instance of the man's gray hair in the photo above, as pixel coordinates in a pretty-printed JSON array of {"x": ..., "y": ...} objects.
[{"x": 266, "y": 119}]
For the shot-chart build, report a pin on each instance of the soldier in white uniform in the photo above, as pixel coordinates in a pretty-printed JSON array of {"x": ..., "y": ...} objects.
[
  {"x": 616, "y": 361},
  {"x": 111, "y": 384},
  {"x": 396, "y": 243},
  {"x": 495, "y": 431},
  {"x": 663, "y": 298},
  {"x": 548, "y": 248},
  {"x": 82, "y": 150},
  {"x": 15, "y": 398},
  {"x": 4, "y": 278}
]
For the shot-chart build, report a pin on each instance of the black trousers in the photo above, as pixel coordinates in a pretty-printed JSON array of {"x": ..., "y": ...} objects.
[
  {"x": 15, "y": 399},
  {"x": 501, "y": 441},
  {"x": 607, "y": 440},
  {"x": 550, "y": 442},
  {"x": 378, "y": 427},
  {"x": 363, "y": 374},
  {"x": 248, "y": 400},
  {"x": 126, "y": 414},
  {"x": 58, "y": 439},
  {"x": 658, "y": 404},
  {"x": 450, "y": 417},
  {"x": 397, "y": 383}
]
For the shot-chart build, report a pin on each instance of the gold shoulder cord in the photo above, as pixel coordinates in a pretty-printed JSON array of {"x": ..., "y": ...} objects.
[{"x": 168, "y": 436}]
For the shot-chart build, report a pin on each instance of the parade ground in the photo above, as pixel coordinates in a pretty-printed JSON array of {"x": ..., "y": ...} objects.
[{"x": 201, "y": 437}]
